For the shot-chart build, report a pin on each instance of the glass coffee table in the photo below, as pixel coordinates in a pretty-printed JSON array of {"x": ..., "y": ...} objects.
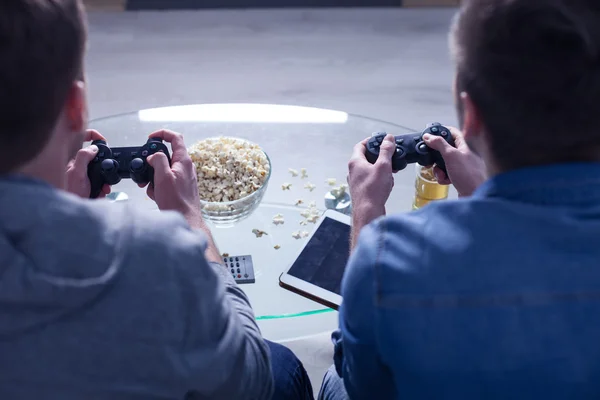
[{"x": 318, "y": 140}]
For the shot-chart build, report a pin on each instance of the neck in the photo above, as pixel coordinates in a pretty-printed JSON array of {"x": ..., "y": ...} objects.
[{"x": 48, "y": 166}]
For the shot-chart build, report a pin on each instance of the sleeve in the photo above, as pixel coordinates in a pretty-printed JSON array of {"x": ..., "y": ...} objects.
[
  {"x": 223, "y": 351},
  {"x": 364, "y": 374}
]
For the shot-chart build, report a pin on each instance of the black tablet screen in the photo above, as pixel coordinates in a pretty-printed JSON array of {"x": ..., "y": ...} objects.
[{"x": 323, "y": 260}]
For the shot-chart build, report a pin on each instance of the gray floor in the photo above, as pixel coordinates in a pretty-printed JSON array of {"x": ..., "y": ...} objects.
[{"x": 391, "y": 64}]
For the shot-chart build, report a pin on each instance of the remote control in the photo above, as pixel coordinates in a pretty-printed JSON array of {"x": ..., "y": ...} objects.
[
  {"x": 241, "y": 268},
  {"x": 112, "y": 165},
  {"x": 411, "y": 148}
]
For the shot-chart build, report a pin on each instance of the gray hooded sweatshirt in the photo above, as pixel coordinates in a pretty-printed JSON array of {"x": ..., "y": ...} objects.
[{"x": 101, "y": 301}]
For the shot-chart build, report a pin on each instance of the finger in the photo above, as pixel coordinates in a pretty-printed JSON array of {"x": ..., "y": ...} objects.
[
  {"x": 459, "y": 139},
  {"x": 360, "y": 149},
  {"x": 386, "y": 151},
  {"x": 106, "y": 189},
  {"x": 91, "y": 135},
  {"x": 176, "y": 140},
  {"x": 142, "y": 185},
  {"x": 437, "y": 143},
  {"x": 83, "y": 158},
  {"x": 160, "y": 163},
  {"x": 150, "y": 191},
  {"x": 441, "y": 177}
]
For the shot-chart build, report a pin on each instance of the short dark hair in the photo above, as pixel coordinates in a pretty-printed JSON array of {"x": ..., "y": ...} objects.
[
  {"x": 42, "y": 43},
  {"x": 532, "y": 68}
]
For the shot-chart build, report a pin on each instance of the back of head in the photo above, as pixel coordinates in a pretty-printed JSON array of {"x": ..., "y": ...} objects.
[
  {"x": 42, "y": 43},
  {"x": 532, "y": 69}
]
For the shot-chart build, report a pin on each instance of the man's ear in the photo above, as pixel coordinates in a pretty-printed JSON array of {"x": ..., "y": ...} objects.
[
  {"x": 76, "y": 107},
  {"x": 472, "y": 128}
]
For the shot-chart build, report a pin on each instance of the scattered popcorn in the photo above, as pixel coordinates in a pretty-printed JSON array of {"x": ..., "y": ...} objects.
[
  {"x": 331, "y": 181},
  {"x": 303, "y": 173},
  {"x": 311, "y": 214},
  {"x": 228, "y": 169},
  {"x": 304, "y": 234},
  {"x": 313, "y": 218},
  {"x": 259, "y": 233},
  {"x": 296, "y": 235},
  {"x": 293, "y": 172},
  {"x": 286, "y": 186},
  {"x": 309, "y": 186},
  {"x": 339, "y": 191},
  {"x": 278, "y": 219},
  {"x": 277, "y": 247},
  {"x": 299, "y": 202}
]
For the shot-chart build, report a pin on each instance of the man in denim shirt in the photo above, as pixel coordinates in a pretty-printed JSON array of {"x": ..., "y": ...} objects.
[{"x": 496, "y": 294}]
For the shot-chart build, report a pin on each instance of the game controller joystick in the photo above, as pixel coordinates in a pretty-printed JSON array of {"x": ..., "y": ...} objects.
[
  {"x": 112, "y": 165},
  {"x": 411, "y": 148}
]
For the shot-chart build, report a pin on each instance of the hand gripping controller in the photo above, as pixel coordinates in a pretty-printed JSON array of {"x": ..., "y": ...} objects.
[
  {"x": 112, "y": 165},
  {"x": 411, "y": 148}
]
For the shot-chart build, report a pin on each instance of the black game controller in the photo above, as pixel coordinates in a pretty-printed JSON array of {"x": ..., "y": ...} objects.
[
  {"x": 411, "y": 148},
  {"x": 112, "y": 165}
]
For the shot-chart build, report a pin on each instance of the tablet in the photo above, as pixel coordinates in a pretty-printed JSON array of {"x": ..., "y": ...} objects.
[{"x": 319, "y": 267}]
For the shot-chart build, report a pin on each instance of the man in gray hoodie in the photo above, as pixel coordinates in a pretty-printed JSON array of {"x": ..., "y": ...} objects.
[{"x": 98, "y": 300}]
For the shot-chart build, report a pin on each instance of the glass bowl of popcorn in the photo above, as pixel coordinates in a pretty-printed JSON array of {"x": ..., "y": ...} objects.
[{"x": 233, "y": 175}]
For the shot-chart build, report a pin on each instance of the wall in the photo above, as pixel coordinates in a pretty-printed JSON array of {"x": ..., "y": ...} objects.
[{"x": 112, "y": 5}]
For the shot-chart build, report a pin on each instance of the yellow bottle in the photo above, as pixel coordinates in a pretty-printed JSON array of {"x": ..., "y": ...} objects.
[{"x": 427, "y": 189}]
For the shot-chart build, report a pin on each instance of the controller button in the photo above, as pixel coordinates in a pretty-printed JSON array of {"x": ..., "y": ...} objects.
[
  {"x": 96, "y": 159},
  {"x": 144, "y": 153},
  {"x": 422, "y": 147},
  {"x": 137, "y": 164},
  {"x": 434, "y": 129},
  {"x": 399, "y": 151},
  {"x": 153, "y": 146},
  {"x": 101, "y": 154},
  {"x": 380, "y": 139},
  {"x": 444, "y": 133},
  {"x": 375, "y": 145},
  {"x": 417, "y": 139},
  {"x": 399, "y": 141}
]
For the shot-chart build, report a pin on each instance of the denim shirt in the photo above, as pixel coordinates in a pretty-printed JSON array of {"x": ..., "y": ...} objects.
[{"x": 492, "y": 296}]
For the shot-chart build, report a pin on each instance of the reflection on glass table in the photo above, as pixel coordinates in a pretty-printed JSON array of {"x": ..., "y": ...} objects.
[{"x": 293, "y": 137}]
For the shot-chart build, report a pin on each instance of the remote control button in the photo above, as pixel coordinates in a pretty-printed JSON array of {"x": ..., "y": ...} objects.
[
  {"x": 232, "y": 271},
  {"x": 239, "y": 276},
  {"x": 434, "y": 129},
  {"x": 422, "y": 148},
  {"x": 237, "y": 259},
  {"x": 237, "y": 264},
  {"x": 238, "y": 270},
  {"x": 137, "y": 164},
  {"x": 245, "y": 275},
  {"x": 230, "y": 258},
  {"x": 225, "y": 259}
]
